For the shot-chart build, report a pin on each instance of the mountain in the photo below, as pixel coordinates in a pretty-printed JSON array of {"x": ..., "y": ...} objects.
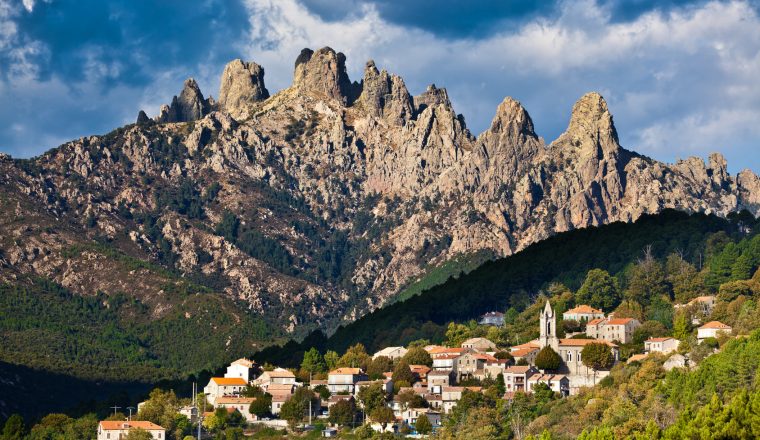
[{"x": 275, "y": 215}]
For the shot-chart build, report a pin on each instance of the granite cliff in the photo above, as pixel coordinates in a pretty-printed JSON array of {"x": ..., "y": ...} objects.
[{"x": 319, "y": 203}]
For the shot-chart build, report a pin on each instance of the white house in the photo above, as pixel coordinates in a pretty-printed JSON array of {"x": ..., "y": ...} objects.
[
  {"x": 410, "y": 416},
  {"x": 224, "y": 386},
  {"x": 276, "y": 376},
  {"x": 559, "y": 383},
  {"x": 116, "y": 430},
  {"x": 492, "y": 318},
  {"x": 582, "y": 312},
  {"x": 614, "y": 329},
  {"x": 445, "y": 363},
  {"x": 516, "y": 378},
  {"x": 242, "y": 368},
  {"x": 712, "y": 329},
  {"x": 661, "y": 345},
  {"x": 343, "y": 380},
  {"x": 393, "y": 353}
]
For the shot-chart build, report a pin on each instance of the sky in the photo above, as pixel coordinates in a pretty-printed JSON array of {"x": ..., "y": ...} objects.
[{"x": 680, "y": 77}]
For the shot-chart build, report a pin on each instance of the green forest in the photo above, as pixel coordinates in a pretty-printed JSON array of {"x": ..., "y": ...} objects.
[{"x": 707, "y": 244}]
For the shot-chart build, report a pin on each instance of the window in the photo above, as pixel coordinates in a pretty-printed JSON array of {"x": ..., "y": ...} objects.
[{"x": 569, "y": 356}]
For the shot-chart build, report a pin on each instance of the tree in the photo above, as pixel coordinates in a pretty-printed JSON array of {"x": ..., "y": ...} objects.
[
  {"x": 548, "y": 359},
  {"x": 162, "y": 408},
  {"x": 402, "y": 372},
  {"x": 295, "y": 408},
  {"x": 372, "y": 396},
  {"x": 355, "y": 357},
  {"x": 681, "y": 326},
  {"x": 418, "y": 356},
  {"x": 597, "y": 356},
  {"x": 646, "y": 281},
  {"x": 423, "y": 425},
  {"x": 138, "y": 434},
  {"x": 504, "y": 355},
  {"x": 378, "y": 366},
  {"x": 456, "y": 334},
  {"x": 14, "y": 428},
  {"x": 313, "y": 362},
  {"x": 262, "y": 406},
  {"x": 342, "y": 413},
  {"x": 382, "y": 415},
  {"x": 599, "y": 290},
  {"x": 410, "y": 399},
  {"x": 331, "y": 359},
  {"x": 323, "y": 391}
]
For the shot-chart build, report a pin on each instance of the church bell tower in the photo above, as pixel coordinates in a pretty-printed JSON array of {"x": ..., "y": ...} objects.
[{"x": 549, "y": 328}]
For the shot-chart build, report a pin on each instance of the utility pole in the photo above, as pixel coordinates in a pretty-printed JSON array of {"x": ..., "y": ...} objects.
[
  {"x": 311, "y": 398},
  {"x": 130, "y": 408},
  {"x": 115, "y": 408}
]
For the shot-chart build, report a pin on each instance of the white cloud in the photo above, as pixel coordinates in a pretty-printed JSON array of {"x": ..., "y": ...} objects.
[{"x": 679, "y": 83}]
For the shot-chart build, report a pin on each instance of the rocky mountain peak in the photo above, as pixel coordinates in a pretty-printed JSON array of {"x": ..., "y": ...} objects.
[
  {"x": 512, "y": 117},
  {"x": 591, "y": 129},
  {"x": 324, "y": 73},
  {"x": 242, "y": 83},
  {"x": 432, "y": 97},
  {"x": 385, "y": 96},
  {"x": 188, "y": 106}
]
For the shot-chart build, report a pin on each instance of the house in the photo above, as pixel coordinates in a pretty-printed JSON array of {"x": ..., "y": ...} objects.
[
  {"x": 445, "y": 362},
  {"x": 394, "y": 353},
  {"x": 242, "y": 404},
  {"x": 661, "y": 345},
  {"x": 440, "y": 378},
  {"x": 516, "y": 378},
  {"x": 492, "y": 318},
  {"x": 676, "y": 361},
  {"x": 410, "y": 416},
  {"x": 277, "y": 401},
  {"x": 224, "y": 386},
  {"x": 329, "y": 432},
  {"x": 582, "y": 312},
  {"x": 482, "y": 345},
  {"x": 559, "y": 383},
  {"x": 617, "y": 329},
  {"x": 468, "y": 363},
  {"x": 712, "y": 329},
  {"x": 242, "y": 368},
  {"x": 117, "y": 430},
  {"x": 281, "y": 388},
  {"x": 343, "y": 380},
  {"x": 700, "y": 304},
  {"x": 527, "y": 351},
  {"x": 276, "y": 376},
  {"x": 451, "y": 395},
  {"x": 594, "y": 327}
]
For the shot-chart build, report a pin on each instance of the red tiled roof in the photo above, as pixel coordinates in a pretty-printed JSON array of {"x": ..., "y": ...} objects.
[
  {"x": 229, "y": 381},
  {"x": 584, "y": 308},
  {"x": 716, "y": 325},
  {"x": 584, "y": 342},
  {"x": 114, "y": 425},
  {"x": 619, "y": 321}
]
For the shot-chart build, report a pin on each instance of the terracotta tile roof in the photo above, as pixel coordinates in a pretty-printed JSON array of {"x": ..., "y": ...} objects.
[
  {"x": 439, "y": 373},
  {"x": 658, "y": 339},
  {"x": 636, "y": 357},
  {"x": 475, "y": 341},
  {"x": 234, "y": 400},
  {"x": 279, "y": 387},
  {"x": 280, "y": 372},
  {"x": 530, "y": 344},
  {"x": 524, "y": 351},
  {"x": 115, "y": 425},
  {"x": 707, "y": 298},
  {"x": 595, "y": 321},
  {"x": 518, "y": 369},
  {"x": 584, "y": 308},
  {"x": 619, "y": 321},
  {"x": 345, "y": 370},
  {"x": 717, "y": 325},
  {"x": 229, "y": 381},
  {"x": 584, "y": 342}
]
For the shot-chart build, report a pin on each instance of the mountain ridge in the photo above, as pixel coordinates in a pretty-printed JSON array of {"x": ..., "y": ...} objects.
[{"x": 310, "y": 207}]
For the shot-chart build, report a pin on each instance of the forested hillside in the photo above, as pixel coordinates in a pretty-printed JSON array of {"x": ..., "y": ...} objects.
[{"x": 703, "y": 241}]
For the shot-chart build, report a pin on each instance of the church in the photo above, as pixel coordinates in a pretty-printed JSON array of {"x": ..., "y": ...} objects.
[{"x": 568, "y": 349}]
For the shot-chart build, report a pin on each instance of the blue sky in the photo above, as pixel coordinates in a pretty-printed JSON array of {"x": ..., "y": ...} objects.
[{"x": 680, "y": 76}]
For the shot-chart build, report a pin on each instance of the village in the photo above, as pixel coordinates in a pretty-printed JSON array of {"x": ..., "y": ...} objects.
[{"x": 398, "y": 401}]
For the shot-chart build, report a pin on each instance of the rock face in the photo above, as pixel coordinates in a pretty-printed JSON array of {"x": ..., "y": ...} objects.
[
  {"x": 242, "y": 84},
  {"x": 188, "y": 106},
  {"x": 324, "y": 73},
  {"x": 332, "y": 195}
]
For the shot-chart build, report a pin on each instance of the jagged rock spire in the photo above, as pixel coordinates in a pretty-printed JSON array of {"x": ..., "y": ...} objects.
[
  {"x": 324, "y": 73},
  {"x": 432, "y": 97},
  {"x": 591, "y": 129},
  {"x": 385, "y": 96},
  {"x": 188, "y": 106},
  {"x": 242, "y": 83}
]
